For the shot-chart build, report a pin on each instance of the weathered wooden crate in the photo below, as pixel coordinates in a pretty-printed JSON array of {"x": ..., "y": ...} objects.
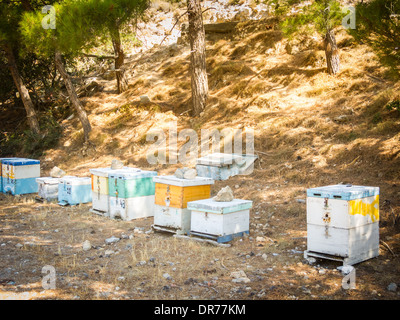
[
  {"x": 343, "y": 223},
  {"x": 220, "y": 221},
  {"x": 48, "y": 188},
  {"x": 19, "y": 175},
  {"x": 74, "y": 190},
  {"x": 222, "y": 166},
  {"x": 100, "y": 188},
  {"x": 131, "y": 194},
  {"x": 171, "y": 197}
]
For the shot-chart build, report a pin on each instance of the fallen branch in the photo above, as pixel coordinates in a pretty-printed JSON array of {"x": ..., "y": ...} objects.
[
  {"x": 98, "y": 57},
  {"x": 387, "y": 247}
]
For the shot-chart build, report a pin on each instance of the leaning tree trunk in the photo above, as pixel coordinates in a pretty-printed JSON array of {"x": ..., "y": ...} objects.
[
  {"x": 73, "y": 96},
  {"x": 122, "y": 82},
  {"x": 332, "y": 53},
  {"x": 23, "y": 91},
  {"x": 199, "y": 81}
]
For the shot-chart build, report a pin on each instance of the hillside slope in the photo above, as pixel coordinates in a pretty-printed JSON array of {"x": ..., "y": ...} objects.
[{"x": 311, "y": 129}]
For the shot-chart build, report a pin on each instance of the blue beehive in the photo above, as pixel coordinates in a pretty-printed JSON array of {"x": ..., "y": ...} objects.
[
  {"x": 74, "y": 190},
  {"x": 19, "y": 175},
  {"x": 1, "y": 172}
]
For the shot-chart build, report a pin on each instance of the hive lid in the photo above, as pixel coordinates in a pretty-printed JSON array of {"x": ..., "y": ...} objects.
[
  {"x": 20, "y": 161},
  {"x": 174, "y": 181},
  {"x": 218, "y": 159},
  {"x": 105, "y": 172},
  {"x": 48, "y": 180},
  {"x": 210, "y": 205},
  {"x": 343, "y": 192},
  {"x": 130, "y": 175},
  {"x": 72, "y": 180}
]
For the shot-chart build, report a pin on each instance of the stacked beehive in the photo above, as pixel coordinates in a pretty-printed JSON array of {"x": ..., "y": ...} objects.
[
  {"x": 343, "y": 223},
  {"x": 19, "y": 175},
  {"x": 222, "y": 166},
  {"x": 131, "y": 194},
  {"x": 171, "y": 197}
]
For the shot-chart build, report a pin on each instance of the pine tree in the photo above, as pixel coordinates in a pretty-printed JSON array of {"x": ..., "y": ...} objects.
[
  {"x": 199, "y": 79},
  {"x": 98, "y": 18},
  {"x": 322, "y": 16},
  {"x": 56, "y": 42},
  {"x": 10, "y": 15},
  {"x": 378, "y": 25}
]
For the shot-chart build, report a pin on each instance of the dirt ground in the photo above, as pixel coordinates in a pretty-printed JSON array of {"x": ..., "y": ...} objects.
[{"x": 34, "y": 235}]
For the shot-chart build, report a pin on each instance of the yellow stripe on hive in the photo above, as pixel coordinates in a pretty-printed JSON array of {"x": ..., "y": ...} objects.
[{"x": 362, "y": 206}]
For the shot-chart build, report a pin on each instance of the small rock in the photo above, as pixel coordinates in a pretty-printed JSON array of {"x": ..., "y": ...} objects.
[
  {"x": 237, "y": 186},
  {"x": 190, "y": 174},
  {"x": 301, "y": 200},
  {"x": 167, "y": 276},
  {"x": 121, "y": 279},
  {"x": 152, "y": 259},
  {"x": 56, "y": 172},
  {"x": 116, "y": 164},
  {"x": 108, "y": 253},
  {"x": 144, "y": 99},
  {"x": 224, "y": 195},
  {"x": 392, "y": 287},
  {"x": 142, "y": 263},
  {"x": 260, "y": 239},
  {"x": 311, "y": 260},
  {"x": 86, "y": 246},
  {"x": 239, "y": 277},
  {"x": 264, "y": 256},
  {"x": 112, "y": 240},
  {"x": 179, "y": 173},
  {"x": 321, "y": 271},
  {"x": 19, "y": 245}
]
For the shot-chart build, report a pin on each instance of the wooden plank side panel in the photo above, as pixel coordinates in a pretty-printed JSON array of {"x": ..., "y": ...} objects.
[
  {"x": 196, "y": 193},
  {"x": 168, "y": 195}
]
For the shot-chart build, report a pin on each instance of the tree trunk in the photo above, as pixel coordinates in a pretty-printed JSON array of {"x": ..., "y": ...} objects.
[
  {"x": 332, "y": 53},
  {"x": 122, "y": 82},
  {"x": 23, "y": 91},
  {"x": 199, "y": 80},
  {"x": 73, "y": 96}
]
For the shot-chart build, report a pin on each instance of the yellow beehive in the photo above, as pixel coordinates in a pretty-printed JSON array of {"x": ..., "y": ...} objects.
[{"x": 176, "y": 193}]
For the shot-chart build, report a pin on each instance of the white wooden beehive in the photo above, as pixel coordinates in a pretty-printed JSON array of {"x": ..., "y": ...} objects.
[
  {"x": 220, "y": 221},
  {"x": 172, "y": 196},
  {"x": 131, "y": 194},
  {"x": 222, "y": 166},
  {"x": 100, "y": 188},
  {"x": 48, "y": 188},
  {"x": 343, "y": 223}
]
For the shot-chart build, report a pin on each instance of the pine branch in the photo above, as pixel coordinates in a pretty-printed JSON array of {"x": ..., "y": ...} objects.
[{"x": 98, "y": 57}]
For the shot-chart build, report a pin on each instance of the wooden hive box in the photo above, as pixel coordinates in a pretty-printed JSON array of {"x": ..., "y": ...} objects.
[
  {"x": 220, "y": 221},
  {"x": 48, "y": 188},
  {"x": 222, "y": 166},
  {"x": 343, "y": 223},
  {"x": 1, "y": 172},
  {"x": 100, "y": 188},
  {"x": 171, "y": 197},
  {"x": 74, "y": 190},
  {"x": 19, "y": 175},
  {"x": 131, "y": 194}
]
